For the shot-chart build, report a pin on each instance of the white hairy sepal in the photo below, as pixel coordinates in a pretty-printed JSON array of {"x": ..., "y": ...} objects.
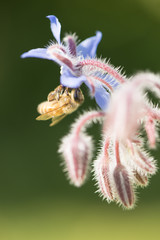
[
  {"x": 103, "y": 177},
  {"x": 137, "y": 159}
]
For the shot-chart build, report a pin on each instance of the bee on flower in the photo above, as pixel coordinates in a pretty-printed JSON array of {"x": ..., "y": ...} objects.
[{"x": 61, "y": 102}]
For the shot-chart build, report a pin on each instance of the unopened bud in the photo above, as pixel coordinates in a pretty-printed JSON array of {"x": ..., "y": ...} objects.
[
  {"x": 123, "y": 186},
  {"x": 77, "y": 153}
]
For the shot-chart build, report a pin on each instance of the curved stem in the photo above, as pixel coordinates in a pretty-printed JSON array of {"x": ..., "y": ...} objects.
[{"x": 86, "y": 118}]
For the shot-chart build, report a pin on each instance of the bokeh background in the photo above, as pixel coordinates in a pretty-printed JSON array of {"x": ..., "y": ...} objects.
[{"x": 36, "y": 201}]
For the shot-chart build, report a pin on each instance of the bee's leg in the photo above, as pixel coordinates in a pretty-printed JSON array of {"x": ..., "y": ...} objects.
[
  {"x": 62, "y": 89},
  {"x": 58, "y": 94},
  {"x": 52, "y": 96},
  {"x": 67, "y": 91}
]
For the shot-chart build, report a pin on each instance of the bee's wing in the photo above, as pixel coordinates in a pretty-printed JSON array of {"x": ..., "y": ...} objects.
[
  {"x": 56, "y": 120},
  {"x": 44, "y": 116}
]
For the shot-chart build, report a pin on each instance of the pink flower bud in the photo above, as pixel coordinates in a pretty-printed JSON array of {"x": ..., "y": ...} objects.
[
  {"x": 123, "y": 187},
  {"x": 77, "y": 153}
]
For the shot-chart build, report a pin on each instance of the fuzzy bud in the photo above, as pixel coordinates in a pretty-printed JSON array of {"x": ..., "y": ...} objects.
[
  {"x": 123, "y": 186},
  {"x": 77, "y": 154}
]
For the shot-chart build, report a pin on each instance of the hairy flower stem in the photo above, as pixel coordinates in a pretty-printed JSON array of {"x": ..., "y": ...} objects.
[
  {"x": 86, "y": 118},
  {"x": 102, "y": 173},
  {"x": 105, "y": 67}
]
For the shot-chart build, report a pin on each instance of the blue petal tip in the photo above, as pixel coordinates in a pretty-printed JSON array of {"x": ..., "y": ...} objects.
[{"x": 52, "y": 18}]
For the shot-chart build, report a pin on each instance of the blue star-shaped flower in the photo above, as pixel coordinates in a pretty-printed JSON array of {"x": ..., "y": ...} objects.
[{"x": 74, "y": 68}]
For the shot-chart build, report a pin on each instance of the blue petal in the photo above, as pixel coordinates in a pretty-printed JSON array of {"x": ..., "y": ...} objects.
[
  {"x": 112, "y": 81},
  {"x": 37, "y": 53},
  {"x": 108, "y": 79},
  {"x": 102, "y": 97},
  {"x": 55, "y": 27},
  {"x": 89, "y": 46},
  {"x": 69, "y": 80}
]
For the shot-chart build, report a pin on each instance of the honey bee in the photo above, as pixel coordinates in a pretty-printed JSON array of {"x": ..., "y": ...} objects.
[{"x": 61, "y": 102}]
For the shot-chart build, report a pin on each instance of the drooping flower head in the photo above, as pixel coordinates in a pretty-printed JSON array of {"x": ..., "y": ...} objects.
[
  {"x": 123, "y": 155},
  {"x": 78, "y": 63},
  {"x": 122, "y": 163}
]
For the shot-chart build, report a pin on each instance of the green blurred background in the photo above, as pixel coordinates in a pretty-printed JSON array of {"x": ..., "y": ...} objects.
[{"x": 36, "y": 201}]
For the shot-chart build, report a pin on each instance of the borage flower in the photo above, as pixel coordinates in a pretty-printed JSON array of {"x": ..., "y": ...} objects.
[
  {"x": 123, "y": 163},
  {"x": 78, "y": 63}
]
